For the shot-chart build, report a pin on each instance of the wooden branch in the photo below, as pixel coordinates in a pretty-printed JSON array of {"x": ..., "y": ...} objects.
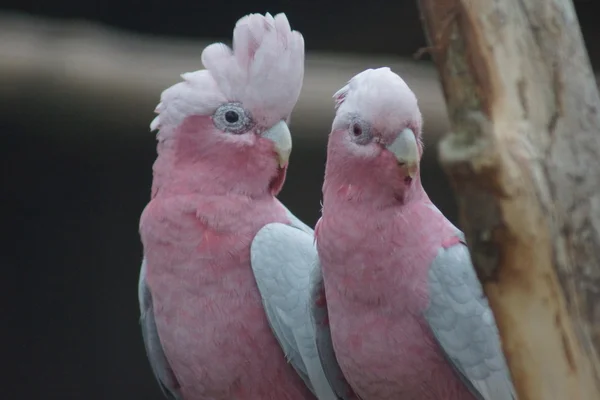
[{"x": 524, "y": 160}]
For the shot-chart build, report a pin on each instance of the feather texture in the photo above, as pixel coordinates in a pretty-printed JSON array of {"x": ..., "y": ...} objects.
[
  {"x": 264, "y": 71},
  {"x": 320, "y": 320},
  {"x": 158, "y": 362},
  {"x": 283, "y": 258},
  {"x": 222, "y": 150},
  {"x": 404, "y": 315},
  {"x": 463, "y": 324}
]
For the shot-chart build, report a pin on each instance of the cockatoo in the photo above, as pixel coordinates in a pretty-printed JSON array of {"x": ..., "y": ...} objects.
[
  {"x": 400, "y": 313},
  {"x": 224, "y": 283}
]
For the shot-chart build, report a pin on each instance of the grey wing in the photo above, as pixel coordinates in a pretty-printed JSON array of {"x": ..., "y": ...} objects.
[
  {"x": 154, "y": 351},
  {"x": 463, "y": 324},
  {"x": 320, "y": 319},
  {"x": 282, "y": 258}
]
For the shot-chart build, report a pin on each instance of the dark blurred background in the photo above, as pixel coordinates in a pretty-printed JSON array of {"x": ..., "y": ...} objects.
[{"x": 78, "y": 84}]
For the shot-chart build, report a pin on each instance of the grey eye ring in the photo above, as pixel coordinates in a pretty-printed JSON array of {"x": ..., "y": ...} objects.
[
  {"x": 232, "y": 118},
  {"x": 360, "y": 131}
]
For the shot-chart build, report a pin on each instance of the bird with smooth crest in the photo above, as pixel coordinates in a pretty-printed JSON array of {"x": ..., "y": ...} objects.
[{"x": 400, "y": 313}]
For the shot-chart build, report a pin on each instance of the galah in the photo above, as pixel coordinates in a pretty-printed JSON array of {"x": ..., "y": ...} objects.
[
  {"x": 224, "y": 283},
  {"x": 399, "y": 310}
]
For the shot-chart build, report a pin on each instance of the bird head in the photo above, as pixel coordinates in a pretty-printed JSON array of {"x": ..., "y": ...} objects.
[
  {"x": 375, "y": 143},
  {"x": 232, "y": 117}
]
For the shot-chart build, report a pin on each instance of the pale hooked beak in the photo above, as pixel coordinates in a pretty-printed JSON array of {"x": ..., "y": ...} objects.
[
  {"x": 406, "y": 150},
  {"x": 280, "y": 135}
]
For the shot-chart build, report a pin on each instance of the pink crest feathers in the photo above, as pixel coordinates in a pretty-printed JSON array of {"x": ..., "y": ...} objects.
[{"x": 264, "y": 71}]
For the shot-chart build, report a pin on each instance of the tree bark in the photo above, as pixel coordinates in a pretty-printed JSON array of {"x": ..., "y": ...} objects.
[{"x": 524, "y": 161}]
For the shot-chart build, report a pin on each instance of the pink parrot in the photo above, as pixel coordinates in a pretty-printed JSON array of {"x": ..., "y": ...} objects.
[
  {"x": 224, "y": 284},
  {"x": 399, "y": 311}
]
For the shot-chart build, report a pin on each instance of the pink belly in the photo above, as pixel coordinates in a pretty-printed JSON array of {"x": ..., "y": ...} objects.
[
  {"x": 384, "y": 358},
  {"x": 218, "y": 342}
]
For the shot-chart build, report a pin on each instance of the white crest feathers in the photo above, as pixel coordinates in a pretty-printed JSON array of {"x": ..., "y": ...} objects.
[{"x": 264, "y": 71}]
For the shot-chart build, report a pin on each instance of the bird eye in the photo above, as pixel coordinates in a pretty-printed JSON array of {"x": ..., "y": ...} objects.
[
  {"x": 232, "y": 118},
  {"x": 359, "y": 131}
]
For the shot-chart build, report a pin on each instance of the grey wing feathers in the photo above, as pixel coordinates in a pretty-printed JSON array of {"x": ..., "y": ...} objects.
[
  {"x": 282, "y": 259},
  {"x": 463, "y": 324},
  {"x": 160, "y": 366},
  {"x": 320, "y": 319}
]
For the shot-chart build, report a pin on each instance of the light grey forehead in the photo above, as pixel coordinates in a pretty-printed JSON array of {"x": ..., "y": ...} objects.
[{"x": 380, "y": 98}]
